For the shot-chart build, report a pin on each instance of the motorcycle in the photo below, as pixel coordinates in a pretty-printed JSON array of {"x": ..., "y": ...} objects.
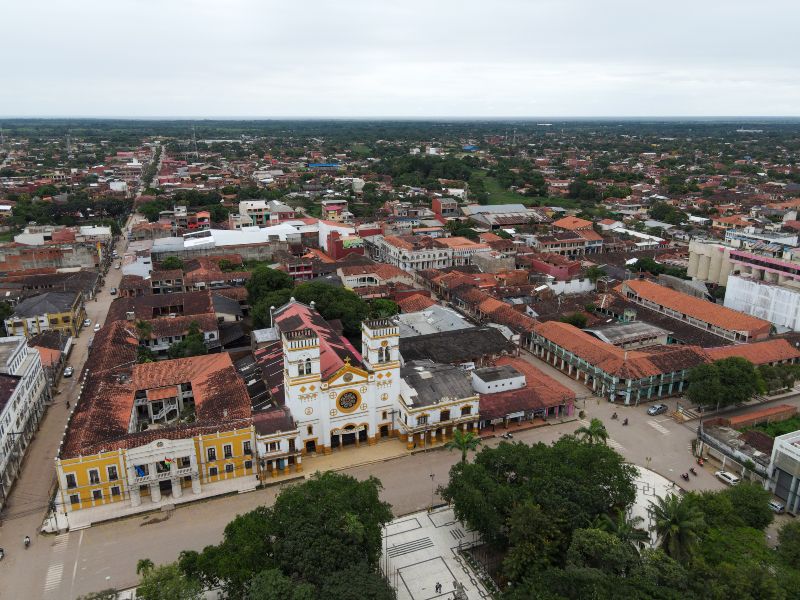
[
  {"x": 2, "y": 553},
  {"x": 685, "y": 476},
  {"x": 507, "y": 436},
  {"x": 614, "y": 417},
  {"x": 625, "y": 422},
  {"x": 700, "y": 461},
  {"x": 692, "y": 471},
  {"x": 27, "y": 542}
]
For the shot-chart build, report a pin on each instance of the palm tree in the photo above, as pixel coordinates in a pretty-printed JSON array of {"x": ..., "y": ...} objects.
[
  {"x": 628, "y": 530},
  {"x": 594, "y": 433},
  {"x": 144, "y": 566},
  {"x": 677, "y": 524},
  {"x": 463, "y": 441}
]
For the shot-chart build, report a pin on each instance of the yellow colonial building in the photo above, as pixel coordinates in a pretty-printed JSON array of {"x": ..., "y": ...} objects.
[
  {"x": 145, "y": 434},
  {"x": 50, "y": 311}
]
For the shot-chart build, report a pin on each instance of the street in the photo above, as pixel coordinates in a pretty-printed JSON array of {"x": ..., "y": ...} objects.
[{"x": 31, "y": 493}]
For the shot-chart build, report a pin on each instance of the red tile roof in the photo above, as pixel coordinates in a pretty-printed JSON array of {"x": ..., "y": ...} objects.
[
  {"x": 540, "y": 391},
  {"x": 758, "y": 353},
  {"x": 415, "y": 303},
  {"x": 702, "y": 310},
  {"x": 572, "y": 223},
  {"x": 334, "y": 348}
]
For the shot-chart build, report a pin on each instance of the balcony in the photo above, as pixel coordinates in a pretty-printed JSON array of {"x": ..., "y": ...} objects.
[{"x": 152, "y": 478}]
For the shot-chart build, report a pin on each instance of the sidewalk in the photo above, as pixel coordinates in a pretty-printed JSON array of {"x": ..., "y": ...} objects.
[{"x": 81, "y": 519}]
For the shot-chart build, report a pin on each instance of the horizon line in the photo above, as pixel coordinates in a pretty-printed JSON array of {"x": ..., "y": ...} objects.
[{"x": 395, "y": 117}]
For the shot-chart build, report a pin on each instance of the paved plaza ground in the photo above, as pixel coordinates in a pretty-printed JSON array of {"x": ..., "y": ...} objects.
[{"x": 421, "y": 550}]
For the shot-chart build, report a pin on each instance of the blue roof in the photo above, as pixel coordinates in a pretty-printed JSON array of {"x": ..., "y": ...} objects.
[{"x": 312, "y": 165}]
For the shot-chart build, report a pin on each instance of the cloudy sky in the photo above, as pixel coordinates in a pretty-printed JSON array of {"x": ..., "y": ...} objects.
[{"x": 412, "y": 58}]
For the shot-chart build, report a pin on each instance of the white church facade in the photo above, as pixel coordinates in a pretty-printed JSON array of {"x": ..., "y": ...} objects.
[{"x": 340, "y": 397}]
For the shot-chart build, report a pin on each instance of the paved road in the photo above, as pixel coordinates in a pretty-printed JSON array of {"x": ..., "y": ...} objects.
[{"x": 29, "y": 498}]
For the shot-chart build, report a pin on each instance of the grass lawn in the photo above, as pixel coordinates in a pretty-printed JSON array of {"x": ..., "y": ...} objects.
[
  {"x": 7, "y": 236},
  {"x": 779, "y": 427},
  {"x": 498, "y": 195}
]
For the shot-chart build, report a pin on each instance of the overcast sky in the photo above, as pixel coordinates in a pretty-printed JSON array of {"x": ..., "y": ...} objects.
[{"x": 413, "y": 58}]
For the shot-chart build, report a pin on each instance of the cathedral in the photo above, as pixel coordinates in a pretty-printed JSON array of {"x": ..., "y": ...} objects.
[{"x": 336, "y": 394}]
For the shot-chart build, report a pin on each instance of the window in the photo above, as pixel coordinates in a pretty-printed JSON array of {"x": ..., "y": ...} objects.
[
  {"x": 299, "y": 369},
  {"x": 246, "y": 449},
  {"x": 94, "y": 476},
  {"x": 212, "y": 472},
  {"x": 212, "y": 454},
  {"x": 310, "y": 430},
  {"x": 273, "y": 446},
  {"x": 74, "y": 499},
  {"x": 384, "y": 415},
  {"x": 112, "y": 473},
  {"x": 466, "y": 410},
  {"x": 229, "y": 468},
  {"x": 97, "y": 494},
  {"x": 115, "y": 490},
  {"x": 422, "y": 420},
  {"x": 248, "y": 464},
  {"x": 444, "y": 415},
  {"x": 308, "y": 366},
  {"x": 71, "y": 482},
  {"x": 227, "y": 450}
]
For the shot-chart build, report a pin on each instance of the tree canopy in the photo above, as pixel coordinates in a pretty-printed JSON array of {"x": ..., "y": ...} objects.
[
  {"x": 318, "y": 537},
  {"x": 724, "y": 382}
]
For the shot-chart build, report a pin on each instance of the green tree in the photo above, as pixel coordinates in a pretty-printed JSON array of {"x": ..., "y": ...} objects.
[
  {"x": 575, "y": 319},
  {"x": 193, "y": 344},
  {"x": 327, "y": 524},
  {"x": 108, "y": 594},
  {"x": 751, "y": 502},
  {"x": 536, "y": 541},
  {"x": 789, "y": 544},
  {"x": 677, "y": 524},
  {"x": 381, "y": 309},
  {"x": 6, "y": 310},
  {"x": 594, "y": 433},
  {"x": 356, "y": 582},
  {"x": 167, "y": 582},
  {"x": 594, "y": 273},
  {"x": 628, "y": 530},
  {"x": 172, "y": 263},
  {"x": 597, "y": 549},
  {"x": 464, "y": 442},
  {"x": 264, "y": 280},
  {"x": 724, "y": 382},
  {"x": 271, "y": 584},
  {"x": 246, "y": 549},
  {"x": 570, "y": 481}
]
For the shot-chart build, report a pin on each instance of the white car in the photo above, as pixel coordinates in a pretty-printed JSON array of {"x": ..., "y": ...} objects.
[
  {"x": 96, "y": 327},
  {"x": 68, "y": 372},
  {"x": 727, "y": 477},
  {"x": 87, "y": 322},
  {"x": 777, "y": 507}
]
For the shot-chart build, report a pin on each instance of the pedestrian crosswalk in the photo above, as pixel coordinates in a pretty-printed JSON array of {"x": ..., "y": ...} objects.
[
  {"x": 658, "y": 427},
  {"x": 52, "y": 581}
]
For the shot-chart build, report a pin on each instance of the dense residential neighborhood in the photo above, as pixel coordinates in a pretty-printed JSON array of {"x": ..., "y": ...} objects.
[{"x": 215, "y": 310}]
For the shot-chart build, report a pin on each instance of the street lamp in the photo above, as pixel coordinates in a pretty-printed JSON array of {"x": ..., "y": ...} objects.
[{"x": 433, "y": 490}]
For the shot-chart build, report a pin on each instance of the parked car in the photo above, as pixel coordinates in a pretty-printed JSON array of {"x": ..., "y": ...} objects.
[
  {"x": 726, "y": 477},
  {"x": 657, "y": 409},
  {"x": 113, "y": 291},
  {"x": 776, "y": 506},
  {"x": 116, "y": 266},
  {"x": 68, "y": 372},
  {"x": 96, "y": 327},
  {"x": 87, "y": 322}
]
